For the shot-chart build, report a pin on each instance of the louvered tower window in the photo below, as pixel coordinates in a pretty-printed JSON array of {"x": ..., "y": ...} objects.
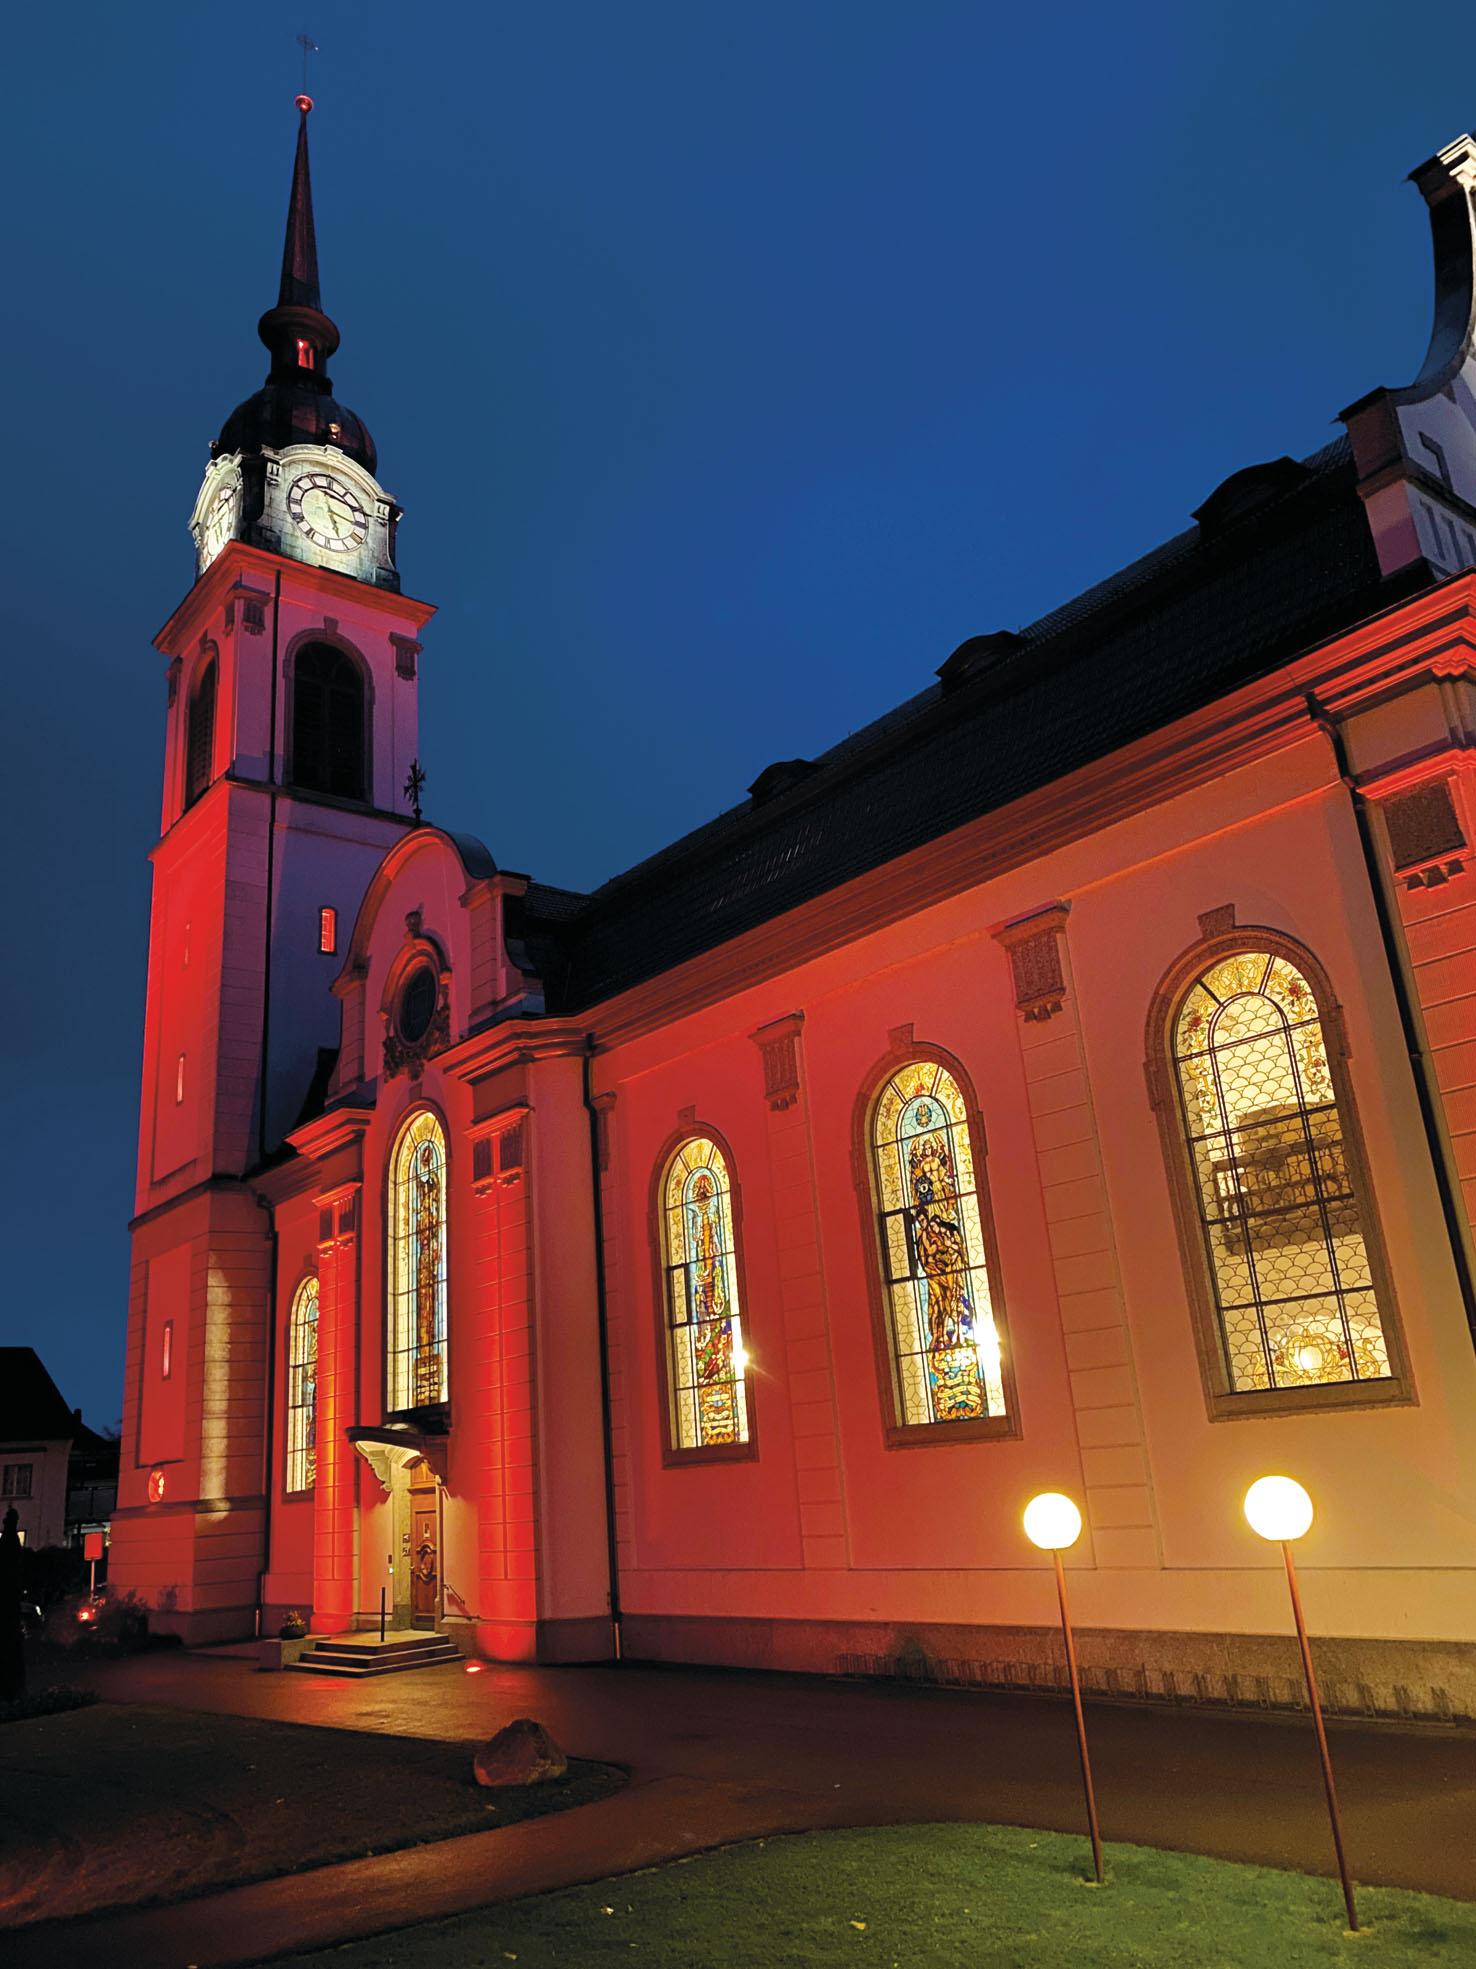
[
  {"x": 200, "y": 734},
  {"x": 328, "y": 722}
]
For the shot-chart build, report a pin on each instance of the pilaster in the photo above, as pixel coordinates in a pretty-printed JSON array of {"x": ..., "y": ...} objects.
[
  {"x": 803, "y": 1301},
  {"x": 335, "y": 1494},
  {"x": 1120, "y": 1511},
  {"x": 499, "y": 1409}
]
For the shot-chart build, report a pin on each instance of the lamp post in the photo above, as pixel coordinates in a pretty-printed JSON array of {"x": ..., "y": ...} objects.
[
  {"x": 1280, "y": 1511},
  {"x": 1052, "y": 1522}
]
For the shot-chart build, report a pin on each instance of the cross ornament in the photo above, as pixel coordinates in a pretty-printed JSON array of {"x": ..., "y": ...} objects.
[
  {"x": 309, "y": 47},
  {"x": 414, "y": 781}
]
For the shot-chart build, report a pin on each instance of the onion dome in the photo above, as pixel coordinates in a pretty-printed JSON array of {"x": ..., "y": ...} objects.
[{"x": 296, "y": 404}]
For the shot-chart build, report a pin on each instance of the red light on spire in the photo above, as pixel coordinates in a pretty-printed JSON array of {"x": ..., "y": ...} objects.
[{"x": 304, "y": 103}]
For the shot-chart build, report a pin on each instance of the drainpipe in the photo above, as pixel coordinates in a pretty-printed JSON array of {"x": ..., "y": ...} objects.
[
  {"x": 603, "y": 1308},
  {"x": 1424, "y": 1080},
  {"x": 267, "y": 1456},
  {"x": 266, "y": 980}
]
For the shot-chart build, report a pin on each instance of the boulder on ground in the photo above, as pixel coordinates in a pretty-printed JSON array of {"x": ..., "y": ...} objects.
[{"x": 522, "y": 1753}]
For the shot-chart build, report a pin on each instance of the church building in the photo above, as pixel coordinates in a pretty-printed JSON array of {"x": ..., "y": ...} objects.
[{"x": 1067, "y": 1082}]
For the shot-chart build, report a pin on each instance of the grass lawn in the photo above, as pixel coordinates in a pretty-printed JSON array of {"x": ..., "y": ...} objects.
[
  {"x": 126, "y": 1803},
  {"x": 927, "y": 1897}
]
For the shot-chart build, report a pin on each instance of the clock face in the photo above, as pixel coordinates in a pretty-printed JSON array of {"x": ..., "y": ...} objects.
[
  {"x": 219, "y": 521},
  {"x": 327, "y": 512}
]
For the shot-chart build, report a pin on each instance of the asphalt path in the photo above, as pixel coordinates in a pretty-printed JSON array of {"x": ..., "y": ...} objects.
[{"x": 717, "y": 1756}]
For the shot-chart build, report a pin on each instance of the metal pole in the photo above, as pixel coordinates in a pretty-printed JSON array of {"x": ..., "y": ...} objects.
[
  {"x": 1081, "y": 1734},
  {"x": 1327, "y": 1776},
  {"x": 381, "y": 1616}
]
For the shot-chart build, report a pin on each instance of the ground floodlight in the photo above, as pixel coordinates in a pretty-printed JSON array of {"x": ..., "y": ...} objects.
[
  {"x": 1052, "y": 1521},
  {"x": 1278, "y": 1508}
]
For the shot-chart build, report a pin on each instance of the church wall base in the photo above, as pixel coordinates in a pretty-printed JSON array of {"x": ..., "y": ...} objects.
[
  {"x": 1432, "y": 1681},
  {"x": 588, "y": 1638},
  {"x": 208, "y": 1626}
]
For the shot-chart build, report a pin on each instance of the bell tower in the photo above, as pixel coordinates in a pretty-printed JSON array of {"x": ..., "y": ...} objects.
[{"x": 290, "y": 731}]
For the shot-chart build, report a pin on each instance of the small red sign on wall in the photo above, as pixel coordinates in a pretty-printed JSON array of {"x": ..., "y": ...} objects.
[{"x": 92, "y": 1545}]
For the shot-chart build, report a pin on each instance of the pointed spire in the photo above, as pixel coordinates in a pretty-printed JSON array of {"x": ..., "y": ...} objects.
[
  {"x": 296, "y": 404},
  {"x": 300, "y": 249},
  {"x": 298, "y": 333}
]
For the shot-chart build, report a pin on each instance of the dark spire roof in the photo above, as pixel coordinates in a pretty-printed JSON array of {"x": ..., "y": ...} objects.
[
  {"x": 299, "y": 286},
  {"x": 296, "y": 405}
]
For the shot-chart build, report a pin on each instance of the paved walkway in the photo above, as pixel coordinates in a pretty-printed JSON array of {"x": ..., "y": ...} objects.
[{"x": 716, "y": 1757}]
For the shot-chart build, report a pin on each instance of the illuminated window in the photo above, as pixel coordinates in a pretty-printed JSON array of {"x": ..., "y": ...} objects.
[
  {"x": 302, "y": 1388},
  {"x": 200, "y": 734},
  {"x": 416, "y": 1328},
  {"x": 943, "y": 1344},
  {"x": 166, "y": 1352},
  {"x": 306, "y": 356},
  {"x": 1278, "y": 1204},
  {"x": 16, "y": 1480},
  {"x": 706, "y": 1362},
  {"x": 328, "y": 931},
  {"x": 328, "y": 730},
  {"x": 179, "y": 1080}
]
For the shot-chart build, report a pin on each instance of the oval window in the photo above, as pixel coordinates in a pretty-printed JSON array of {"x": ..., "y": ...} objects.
[{"x": 417, "y": 1005}]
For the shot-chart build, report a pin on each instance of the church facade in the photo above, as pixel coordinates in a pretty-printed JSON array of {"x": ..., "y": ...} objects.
[{"x": 1067, "y": 1083}]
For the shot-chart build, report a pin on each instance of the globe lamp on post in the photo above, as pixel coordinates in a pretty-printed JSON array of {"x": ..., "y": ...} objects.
[
  {"x": 1052, "y": 1523},
  {"x": 1280, "y": 1511}
]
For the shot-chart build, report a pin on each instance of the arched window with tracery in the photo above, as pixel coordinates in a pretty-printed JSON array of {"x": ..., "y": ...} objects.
[
  {"x": 416, "y": 1326},
  {"x": 706, "y": 1361},
  {"x": 1276, "y": 1180},
  {"x": 328, "y": 724},
  {"x": 302, "y": 1388},
  {"x": 200, "y": 733},
  {"x": 943, "y": 1342}
]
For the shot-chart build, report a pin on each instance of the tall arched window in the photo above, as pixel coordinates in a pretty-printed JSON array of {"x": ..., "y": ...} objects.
[
  {"x": 1275, "y": 1180},
  {"x": 302, "y": 1388},
  {"x": 942, "y": 1341},
  {"x": 328, "y": 722},
  {"x": 415, "y": 1338},
  {"x": 707, "y": 1366},
  {"x": 200, "y": 733}
]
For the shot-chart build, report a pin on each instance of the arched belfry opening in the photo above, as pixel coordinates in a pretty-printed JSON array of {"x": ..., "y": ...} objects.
[
  {"x": 200, "y": 733},
  {"x": 329, "y": 726}
]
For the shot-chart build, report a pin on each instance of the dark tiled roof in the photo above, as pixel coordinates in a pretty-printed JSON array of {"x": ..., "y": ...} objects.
[
  {"x": 31, "y": 1407},
  {"x": 1290, "y": 563}
]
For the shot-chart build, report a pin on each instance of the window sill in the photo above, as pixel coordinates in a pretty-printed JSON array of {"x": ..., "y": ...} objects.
[{"x": 1321, "y": 1397}]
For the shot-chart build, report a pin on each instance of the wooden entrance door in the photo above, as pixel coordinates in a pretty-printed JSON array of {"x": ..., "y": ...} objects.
[{"x": 425, "y": 1564}]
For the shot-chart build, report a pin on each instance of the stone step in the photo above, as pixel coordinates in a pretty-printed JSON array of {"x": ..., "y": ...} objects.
[
  {"x": 368, "y": 1645},
  {"x": 357, "y": 1659}
]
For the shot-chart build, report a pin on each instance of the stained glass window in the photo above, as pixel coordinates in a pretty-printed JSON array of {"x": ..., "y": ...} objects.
[
  {"x": 416, "y": 1327},
  {"x": 943, "y": 1340},
  {"x": 704, "y": 1320},
  {"x": 1278, "y": 1209},
  {"x": 302, "y": 1388}
]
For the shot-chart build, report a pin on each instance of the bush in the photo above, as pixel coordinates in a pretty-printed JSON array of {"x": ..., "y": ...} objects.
[
  {"x": 118, "y": 1624},
  {"x": 45, "y": 1702}
]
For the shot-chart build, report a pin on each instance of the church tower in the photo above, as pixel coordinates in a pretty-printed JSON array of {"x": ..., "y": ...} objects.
[{"x": 290, "y": 732}]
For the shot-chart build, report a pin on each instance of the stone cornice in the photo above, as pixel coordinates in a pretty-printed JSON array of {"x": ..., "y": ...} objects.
[
  {"x": 339, "y": 1128},
  {"x": 237, "y": 560},
  {"x": 512, "y": 1042}
]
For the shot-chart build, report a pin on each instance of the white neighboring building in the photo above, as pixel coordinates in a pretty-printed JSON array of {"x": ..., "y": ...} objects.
[{"x": 37, "y": 1430}]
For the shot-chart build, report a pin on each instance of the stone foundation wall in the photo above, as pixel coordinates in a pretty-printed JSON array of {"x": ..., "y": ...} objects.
[{"x": 1433, "y": 1681}]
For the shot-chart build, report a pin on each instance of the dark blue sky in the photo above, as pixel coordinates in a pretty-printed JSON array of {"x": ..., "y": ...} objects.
[{"x": 732, "y": 363}]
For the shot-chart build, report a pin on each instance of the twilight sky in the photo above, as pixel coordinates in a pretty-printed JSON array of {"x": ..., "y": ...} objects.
[{"x": 732, "y": 363}]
